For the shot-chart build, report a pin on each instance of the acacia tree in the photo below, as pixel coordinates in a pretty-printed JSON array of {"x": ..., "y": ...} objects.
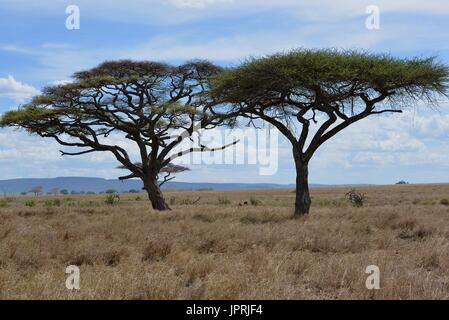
[
  {"x": 141, "y": 101},
  {"x": 328, "y": 89},
  {"x": 37, "y": 190}
]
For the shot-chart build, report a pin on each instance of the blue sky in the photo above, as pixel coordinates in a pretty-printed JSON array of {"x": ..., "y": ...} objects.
[{"x": 36, "y": 50}]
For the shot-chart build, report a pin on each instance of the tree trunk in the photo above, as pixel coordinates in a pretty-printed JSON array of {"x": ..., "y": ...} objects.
[
  {"x": 155, "y": 195},
  {"x": 303, "y": 201}
]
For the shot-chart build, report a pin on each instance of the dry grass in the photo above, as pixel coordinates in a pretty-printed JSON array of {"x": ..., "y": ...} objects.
[{"x": 218, "y": 249}]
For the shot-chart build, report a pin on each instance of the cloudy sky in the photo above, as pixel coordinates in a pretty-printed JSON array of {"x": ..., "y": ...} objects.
[{"x": 36, "y": 49}]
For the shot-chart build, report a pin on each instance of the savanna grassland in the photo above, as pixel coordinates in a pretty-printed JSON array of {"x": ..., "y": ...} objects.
[{"x": 218, "y": 247}]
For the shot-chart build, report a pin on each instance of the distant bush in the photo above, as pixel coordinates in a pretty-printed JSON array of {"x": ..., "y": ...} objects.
[
  {"x": 112, "y": 199},
  {"x": 134, "y": 191},
  {"x": 356, "y": 198},
  {"x": 402, "y": 182},
  {"x": 30, "y": 203},
  {"x": 64, "y": 192},
  {"x": 444, "y": 202},
  {"x": 111, "y": 191},
  {"x": 54, "y": 202}
]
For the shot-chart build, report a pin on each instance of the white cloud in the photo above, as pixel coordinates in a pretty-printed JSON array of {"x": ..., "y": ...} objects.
[
  {"x": 396, "y": 140},
  {"x": 15, "y": 48},
  {"x": 61, "y": 82},
  {"x": 16, "y": 90}
]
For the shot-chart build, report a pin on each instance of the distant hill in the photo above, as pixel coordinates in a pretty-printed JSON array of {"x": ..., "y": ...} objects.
[{"x": 16, "y": 186}]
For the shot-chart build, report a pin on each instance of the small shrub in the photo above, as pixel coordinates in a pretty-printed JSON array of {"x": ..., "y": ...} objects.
[
  {"x": 30, "y": 203},
  {"x": 444, "y": 202},
  {"x": 53, "y": 203},
  {"x": 48, "y": 203},
  {"x": 112, "y": 199},
  {"x": 223, "y": 201},
  {"x": 254, "y": 201},
  {"x": 356, "y": 198},
  {"x": 138, "y": 198}
]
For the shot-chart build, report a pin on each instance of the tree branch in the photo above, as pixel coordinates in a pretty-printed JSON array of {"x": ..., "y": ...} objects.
[{"x": 199, "y": 149}]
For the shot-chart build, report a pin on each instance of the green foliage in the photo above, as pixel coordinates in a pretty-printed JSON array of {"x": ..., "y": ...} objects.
[
  {"x": 27, "y": 114},
  {"x": 30, "y": 203},
  {"x": 329, "y": 70},
  {"x": 111, "y": 191},
  {"x": 444, "y": 202},
  {"x": 53, "y": 202}
]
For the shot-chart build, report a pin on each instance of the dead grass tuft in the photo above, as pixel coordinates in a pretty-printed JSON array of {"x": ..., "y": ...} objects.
[{"x": 156, "y": 251}]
